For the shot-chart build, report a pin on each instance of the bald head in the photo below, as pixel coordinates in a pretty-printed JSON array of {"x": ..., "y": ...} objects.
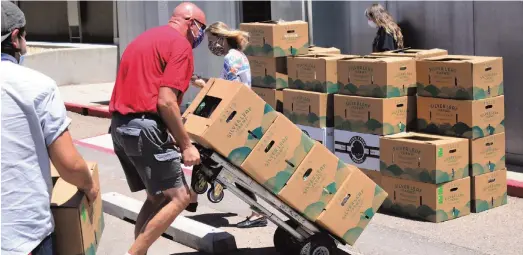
[{"x": 187, "y": 11}]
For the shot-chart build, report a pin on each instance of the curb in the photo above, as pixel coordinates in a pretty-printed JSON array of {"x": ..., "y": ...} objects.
[
  {"x": 183, "y": 230},
  {"x": 88, "y": 110},
  {"x": 514, "y": 188}
]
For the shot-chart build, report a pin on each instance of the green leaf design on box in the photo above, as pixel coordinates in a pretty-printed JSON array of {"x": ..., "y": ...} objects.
[
  {"x": 238, "y": 155},
  {"x": 91, "y": 250},
  {"x": 373, "y": 125},
  {"x": 281, "y": 83},
  {"x": 293, "y": 51},
  {"x": 352, "y": 235},
  {"x": 423, "y": 175},
  {"x": 501, "y": 89},
  {"x": 349, "y": 89},
  {"x": 314, "y": 210},
  {"x": 269, "y": 80},
  {"x": 276, "y": 183},
  {"x": 482, "y": 205}
]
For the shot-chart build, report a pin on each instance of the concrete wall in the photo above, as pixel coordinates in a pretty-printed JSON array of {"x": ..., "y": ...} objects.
[{"x": 69, "y": 63}]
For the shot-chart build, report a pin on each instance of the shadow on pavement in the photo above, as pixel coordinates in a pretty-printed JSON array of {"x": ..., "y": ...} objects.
[
  {"x": 243, "y": 251},
  {"x": 216, "y": 220},
  {"x": 102, "y": 102}
]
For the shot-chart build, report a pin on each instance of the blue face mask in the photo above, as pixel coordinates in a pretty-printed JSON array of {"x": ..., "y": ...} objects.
[
  {"x": 199, "y": 37},
  {"x": 21, "y": 61}
]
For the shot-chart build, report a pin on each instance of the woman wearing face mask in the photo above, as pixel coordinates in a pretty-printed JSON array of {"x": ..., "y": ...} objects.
[
  {"x": 389, "y": 36},
  {"x": 230, "y": 44}
]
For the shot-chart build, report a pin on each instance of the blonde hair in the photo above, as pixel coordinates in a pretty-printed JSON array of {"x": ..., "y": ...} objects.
[
  {"x": 383, "y": 19},
  {"x": 235, "y": 38}
]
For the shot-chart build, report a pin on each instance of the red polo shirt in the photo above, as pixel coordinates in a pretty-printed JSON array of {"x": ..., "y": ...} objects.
[{"x": 159, "y": 57}]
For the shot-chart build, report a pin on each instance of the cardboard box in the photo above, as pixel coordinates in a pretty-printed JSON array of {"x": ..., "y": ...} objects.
[
  {"x": 324, "y": 135},
  {"x": 277, "y": 38},
  {"x": 314, "y": 72},
  {"x": 430, "y": 202},
  {"x": 361, "y": 150},
  {"x": 316, "y": 180},
  {"x": 487, "y": 154},
  {"x": 323, "y": 50},
  {"x": 278, "y": 154},
  {"x": 228, "y": 117},
  {"x": 374, "y": 175},
  {"x": 460, "y": 77},
  {"x": 489, "y": 191},
  {"x": 424, "y": 158},
  {"x": 374, "y": 76},
  {"x": 413, "y": 53},
  {"x": 271, "y": 96},
  {"x": 353, "y": 207},
  {"x": 461, "y": 118},
  {"x": 308, "y": 108},
  {"x": 78, "y": 225},
  {"x": 267, "y": 72},
  {"x": 368, "y": 115}
]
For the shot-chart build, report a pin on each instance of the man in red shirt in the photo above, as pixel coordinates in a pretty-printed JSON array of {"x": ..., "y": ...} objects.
[{"x": 154, "y": 73}]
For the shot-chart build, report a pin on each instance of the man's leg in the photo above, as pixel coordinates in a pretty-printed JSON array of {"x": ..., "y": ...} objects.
[
  {"x": 150, "y": 207},
  {"x": 178, "y": 199}
]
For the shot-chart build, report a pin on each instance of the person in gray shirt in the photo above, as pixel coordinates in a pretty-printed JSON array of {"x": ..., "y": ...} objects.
[{"x": 34, "y": 131}]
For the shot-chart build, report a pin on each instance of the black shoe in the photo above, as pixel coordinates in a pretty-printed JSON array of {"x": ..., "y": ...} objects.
[
  {"x": 192, "y": 207},
  {"x": 260, "y": 222}
]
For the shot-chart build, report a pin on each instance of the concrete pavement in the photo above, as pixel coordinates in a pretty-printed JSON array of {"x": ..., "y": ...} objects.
[{"x": 496, "y": 231}]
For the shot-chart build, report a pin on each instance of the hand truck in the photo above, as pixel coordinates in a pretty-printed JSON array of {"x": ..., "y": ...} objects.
[{"x": 297, "y": 235}]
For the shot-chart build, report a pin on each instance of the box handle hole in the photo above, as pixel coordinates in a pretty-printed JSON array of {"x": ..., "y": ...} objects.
[
  {"x": 488, "y": 106},
  {"x": 488, "y": 69},
  {"x": 307, "y": 174},
  {"x": 345, "y": 199},
  {"x": 231, "y": 116},
  {"x": 403, "y": 68},
  {"x": 290, "y": 31},
  {"x": 453, "y": 151},
  {"x": 289, "y": 163},
  {"x": 491, "y": 180},
  {"x": 399, "y": 105},
  {"x": 269, "y": 146},
  {"x": 453, "y": 189}
]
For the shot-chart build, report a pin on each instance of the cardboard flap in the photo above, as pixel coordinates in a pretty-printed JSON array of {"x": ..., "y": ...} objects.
[{"x": 65, "y": 195}]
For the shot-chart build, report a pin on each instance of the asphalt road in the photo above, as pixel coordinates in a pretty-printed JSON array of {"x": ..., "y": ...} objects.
[{"x": 497, "y": 231}]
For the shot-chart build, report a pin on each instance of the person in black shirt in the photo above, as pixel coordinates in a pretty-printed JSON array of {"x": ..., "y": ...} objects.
[{"x": 389, "y": 36}]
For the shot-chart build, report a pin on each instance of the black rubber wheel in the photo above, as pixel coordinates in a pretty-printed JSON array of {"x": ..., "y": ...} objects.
[
  {"x": 198, "y": 183},
  {"x": 214, "y": 195},
  {"x": 319, "y": 244},
  {"x": 284, "y": 242}
]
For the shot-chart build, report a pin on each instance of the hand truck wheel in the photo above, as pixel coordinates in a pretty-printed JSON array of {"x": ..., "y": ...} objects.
[
  {"x": 284, "y": 242},
  {"x": 198, "y": 183},
  {"x": 319, "y": 244},
  {"x": 215, "y": 193}
]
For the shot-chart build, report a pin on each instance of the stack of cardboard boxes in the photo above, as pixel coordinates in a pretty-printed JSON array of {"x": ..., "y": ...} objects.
[
  {"x": 231, "y": 119},
  {"x": 376, "y": 98},
  {"x": 269, "y": 45},
  {"x": 456, "y": 164},
  {"x": 309, "y": 100}
]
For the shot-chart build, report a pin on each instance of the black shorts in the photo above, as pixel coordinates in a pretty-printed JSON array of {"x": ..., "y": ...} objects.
[{"x": 147, "y": 153}]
